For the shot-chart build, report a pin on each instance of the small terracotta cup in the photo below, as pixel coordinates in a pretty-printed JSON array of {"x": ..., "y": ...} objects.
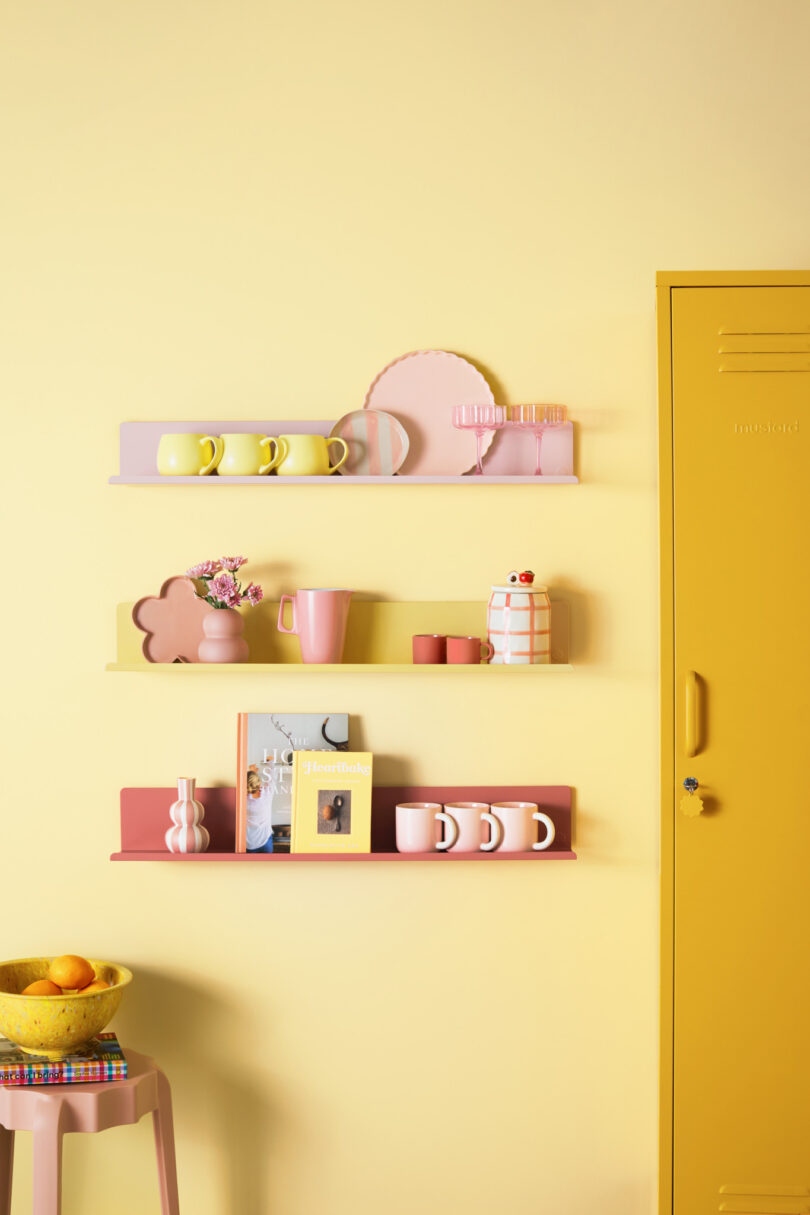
[
  {"x": 429, "y": 647},
  {"x": 468, "y": 649}
]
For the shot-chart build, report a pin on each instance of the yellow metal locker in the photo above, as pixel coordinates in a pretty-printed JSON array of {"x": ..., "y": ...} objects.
[{"x": 735, "y": 542}]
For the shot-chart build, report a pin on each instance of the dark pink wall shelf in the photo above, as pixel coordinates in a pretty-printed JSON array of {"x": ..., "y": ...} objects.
[{"x": 145, "y": 819}]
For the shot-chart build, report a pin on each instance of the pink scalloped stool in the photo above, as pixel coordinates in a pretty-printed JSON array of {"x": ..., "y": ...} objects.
[{"x": 52, "y": 1110}]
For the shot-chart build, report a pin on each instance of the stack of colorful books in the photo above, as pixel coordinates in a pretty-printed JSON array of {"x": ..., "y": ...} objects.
[{"x": 99, "y": 1059}]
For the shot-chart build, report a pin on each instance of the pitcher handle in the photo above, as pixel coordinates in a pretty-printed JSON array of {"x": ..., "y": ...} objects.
[
  {"x": 345, "y": 446},
  {"x": 274, "y": 460},
  {"x": 447, "y": 818},
  {"x": 495, "y": 832},
  {"x": 219, "y": 449},
  {"x": 550, "y": 831},
  {"x": 281, "y": 603}
]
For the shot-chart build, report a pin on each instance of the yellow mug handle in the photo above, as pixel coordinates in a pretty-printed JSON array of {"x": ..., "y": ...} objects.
[
  {"x": 282, "y": 451},
  {"x": 345, "y": 456},
  {"x": 275, "y": 460},
  {"x": 219, "y": 448}
]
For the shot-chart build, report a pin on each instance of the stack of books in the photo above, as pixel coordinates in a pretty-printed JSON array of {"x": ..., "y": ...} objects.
[
  {"x": 299, "y": 788},
  {"x": 99, "y": 1059}
]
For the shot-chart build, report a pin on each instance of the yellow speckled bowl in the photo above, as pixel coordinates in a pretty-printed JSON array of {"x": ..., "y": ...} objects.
[{"x": 55, "y": 1025}]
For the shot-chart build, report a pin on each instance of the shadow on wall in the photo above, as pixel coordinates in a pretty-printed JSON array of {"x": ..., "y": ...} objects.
[
  {"x": 587, "y": 623},
  {"x": 211, "y": 1083}
]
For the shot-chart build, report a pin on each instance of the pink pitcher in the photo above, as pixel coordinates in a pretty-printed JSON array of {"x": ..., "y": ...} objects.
[{"x": 319, "y": 618}]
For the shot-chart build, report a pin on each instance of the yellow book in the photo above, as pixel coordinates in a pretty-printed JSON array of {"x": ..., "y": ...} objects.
[{"x": 331, "y": 801}]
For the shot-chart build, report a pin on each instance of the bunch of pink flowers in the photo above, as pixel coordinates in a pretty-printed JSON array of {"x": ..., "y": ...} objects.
[{"x": 220, "y": 586}]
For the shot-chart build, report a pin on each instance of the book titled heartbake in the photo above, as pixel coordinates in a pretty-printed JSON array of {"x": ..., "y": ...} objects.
[{"x": 332, "y": 801}]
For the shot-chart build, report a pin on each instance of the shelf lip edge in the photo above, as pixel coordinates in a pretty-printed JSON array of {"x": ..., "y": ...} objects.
[
  {"x": 154, "y": 479},
  {"x": 303, "y": 857},
  {"x": 349, "y": 668}
]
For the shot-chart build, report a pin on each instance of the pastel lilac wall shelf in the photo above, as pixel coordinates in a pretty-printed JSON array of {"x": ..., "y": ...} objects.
[
  {"x": 145, "y": 817},
  {"x": 139, "y": 444}
]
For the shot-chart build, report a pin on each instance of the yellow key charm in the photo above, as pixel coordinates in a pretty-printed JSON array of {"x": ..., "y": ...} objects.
[{"x": 691, "y": 804}]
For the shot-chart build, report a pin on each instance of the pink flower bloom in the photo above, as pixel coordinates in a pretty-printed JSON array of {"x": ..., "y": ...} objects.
[
  {"x": 206, "y": 569},
  {"x": 223, "y": 588},
  {"x": 232, "y": 564},
  {"x": 253, "y": 594}
]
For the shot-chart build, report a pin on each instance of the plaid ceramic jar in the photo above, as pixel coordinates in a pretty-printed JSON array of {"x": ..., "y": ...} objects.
[{"x": 519, "y": 624}]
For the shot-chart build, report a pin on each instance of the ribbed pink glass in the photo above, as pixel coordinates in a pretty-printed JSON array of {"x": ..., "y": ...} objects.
[
  {"x": 480, "y": 419},
  {"x": 538, "y": 419}
]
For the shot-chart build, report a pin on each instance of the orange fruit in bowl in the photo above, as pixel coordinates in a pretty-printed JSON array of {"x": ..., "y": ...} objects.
[
  {"x": 41, "y": 987},
  {"x": 96, "y": 985},
  {"x": 71, "y": 971}
]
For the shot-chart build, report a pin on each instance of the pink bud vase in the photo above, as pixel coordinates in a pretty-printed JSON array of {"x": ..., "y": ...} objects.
[
  {"x": 223, "y": 641},
  {"x": 187, "y": 834}
]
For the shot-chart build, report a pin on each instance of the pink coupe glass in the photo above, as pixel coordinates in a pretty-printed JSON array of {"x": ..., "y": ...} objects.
[
  {"x": 538, "y": 419},
  {"x": 481, "y": 419}
]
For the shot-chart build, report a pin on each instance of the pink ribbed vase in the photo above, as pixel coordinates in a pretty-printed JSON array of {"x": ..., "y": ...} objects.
[
  {"x": 223, "y": 641},
  {"x": 187, "y": 834}
]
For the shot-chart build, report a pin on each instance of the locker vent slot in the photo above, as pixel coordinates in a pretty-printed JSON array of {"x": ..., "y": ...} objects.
[
  {"x": 765, "y": 1199},
  {"x": 764, "y": 1207},
  {"x": 764, "y": 352}
]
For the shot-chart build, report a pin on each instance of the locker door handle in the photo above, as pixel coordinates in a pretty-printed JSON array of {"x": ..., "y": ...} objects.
[{"x": 691, "y": 716}]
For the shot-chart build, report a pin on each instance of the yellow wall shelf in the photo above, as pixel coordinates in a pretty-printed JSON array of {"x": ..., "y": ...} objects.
[{"x": 378, "y": 639}]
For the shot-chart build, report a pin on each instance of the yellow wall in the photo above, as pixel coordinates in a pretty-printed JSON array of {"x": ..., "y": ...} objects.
[{"x": 246, "y": 209}]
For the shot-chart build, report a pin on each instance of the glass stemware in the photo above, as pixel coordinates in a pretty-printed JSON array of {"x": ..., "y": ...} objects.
[
  {"x": 481, "y": 419},
  {"x": 538, "y": 419}
]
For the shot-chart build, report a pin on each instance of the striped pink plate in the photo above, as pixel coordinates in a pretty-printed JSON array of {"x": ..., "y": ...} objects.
[{"x": 378, "y": 443}]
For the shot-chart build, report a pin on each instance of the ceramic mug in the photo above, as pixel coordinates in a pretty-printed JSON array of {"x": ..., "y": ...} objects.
[
  {"x": 471, "y": 817},
  {"x": 519, "y": 832},
  {"x": 319, "y": 619},
  {"x": 419, "y": 827},
  {"x": 429, "y": 647},
  {"x": 248, "y": 455},
  {"x": 468, "y": 649},
  {"x": 188, "y": 455},
  {"x": 308, "y": 455}
]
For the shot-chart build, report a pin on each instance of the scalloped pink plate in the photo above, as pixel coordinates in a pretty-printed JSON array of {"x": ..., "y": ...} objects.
[{"x": 420, "y": 390}]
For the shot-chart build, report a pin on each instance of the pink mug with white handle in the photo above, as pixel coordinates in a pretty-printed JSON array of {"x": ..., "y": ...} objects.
[
  {"x": 471, "y": 818},
  {"x": 319, "y": 619},
  {"x": 519, "y": 831},
  {"x": 418, "y": 826}
]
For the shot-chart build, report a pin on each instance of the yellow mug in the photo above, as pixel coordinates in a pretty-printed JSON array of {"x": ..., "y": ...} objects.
[
  {"x": 248, "y": 455},
  {"x": 308, "y": 455},
  {"x": 188, "y": 455}
]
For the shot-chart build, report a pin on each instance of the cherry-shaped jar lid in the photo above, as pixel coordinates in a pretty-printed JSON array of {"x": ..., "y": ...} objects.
[{"x": 515, "y": 583}]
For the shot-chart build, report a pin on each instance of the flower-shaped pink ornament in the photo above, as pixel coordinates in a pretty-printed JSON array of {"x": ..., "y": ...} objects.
[{"x": 172, "y": 621}]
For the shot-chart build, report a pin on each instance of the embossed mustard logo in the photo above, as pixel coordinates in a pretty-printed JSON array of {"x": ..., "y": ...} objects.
[{"x": 766, "y": 428}]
